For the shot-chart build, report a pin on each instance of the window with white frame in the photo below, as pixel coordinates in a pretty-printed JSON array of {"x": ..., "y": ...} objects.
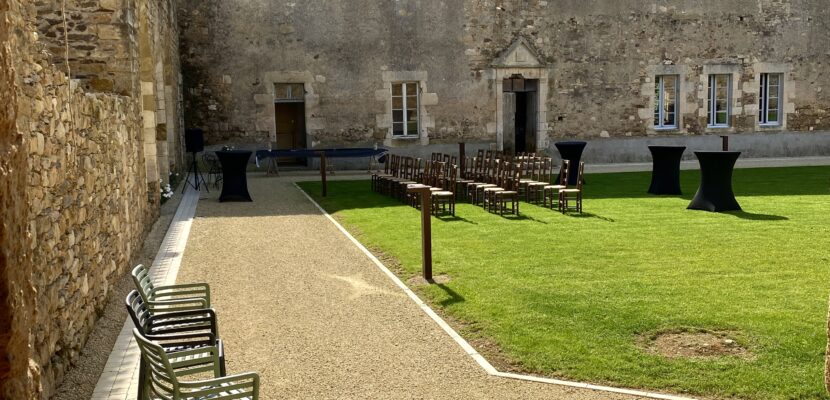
[
  {"x": 405, "y": 104},
  {"x": 665, "y": 101},
  {"x": 720, "y": 90},
  {"x": 769, "y": 108}
]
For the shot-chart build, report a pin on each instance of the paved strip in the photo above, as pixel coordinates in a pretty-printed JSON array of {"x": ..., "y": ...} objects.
[
  {"x": 306, "y": 308},
  {"x": 119, "y": 380}
]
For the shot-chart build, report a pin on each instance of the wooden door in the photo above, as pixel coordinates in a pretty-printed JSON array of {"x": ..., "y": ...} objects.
[{"x": 290, "y": 127}]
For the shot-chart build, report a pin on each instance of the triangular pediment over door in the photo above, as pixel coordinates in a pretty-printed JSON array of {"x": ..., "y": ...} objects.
[{"x": 520, "y": 54}]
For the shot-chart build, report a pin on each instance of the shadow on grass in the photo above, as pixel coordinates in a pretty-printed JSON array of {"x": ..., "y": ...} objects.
[
  {"x": 520, "y": 217},
  {"x": 454, "y": 297},
  {"x": 756, "y": 217},
  {"x": 590, "y": 215},
  {"x": 453, "y": 218}
]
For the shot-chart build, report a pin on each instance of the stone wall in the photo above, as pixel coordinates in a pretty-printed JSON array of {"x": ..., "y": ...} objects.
[
  {"x": 596, "y": 61},
  {"x": 16, "y": 292},
  {"x": 76, "y": 198},
  {"x": 100, "y": 34}
]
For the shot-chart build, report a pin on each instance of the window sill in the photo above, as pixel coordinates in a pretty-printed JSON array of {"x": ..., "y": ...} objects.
[
  {"x": 665, "y": 128},
  {"x": 718, "y": 126},
  {"x": 405, "y": 137},
  {"x": 777, "y": 125}
]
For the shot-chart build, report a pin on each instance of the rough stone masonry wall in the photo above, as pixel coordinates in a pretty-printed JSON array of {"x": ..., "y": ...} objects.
[
  {"x": 77, "y": 205},
  {"x": 100, "y": 35},
  {"x": 602, "y": 56},
  {"x": 16, "y": 292},
  {"x": 344, "y": 52}
]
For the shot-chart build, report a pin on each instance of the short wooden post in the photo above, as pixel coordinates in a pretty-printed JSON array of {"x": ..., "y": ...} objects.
[
  {"x": 725, "y": 140},
  {"x": 426, "y": 228},
  {"x": 462, "y": 163},
  {"x": 323, "y": 170}
]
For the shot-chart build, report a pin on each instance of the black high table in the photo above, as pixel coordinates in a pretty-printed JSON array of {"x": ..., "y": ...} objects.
[
  {"x": 234, "y": 179},
  {"x": 715, "y": 191},
  {"x": 571, "y": 151},
  {"x": 665, "y": 174}
]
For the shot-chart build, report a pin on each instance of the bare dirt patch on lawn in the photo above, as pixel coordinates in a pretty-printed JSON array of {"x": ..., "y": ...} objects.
[{"x": 695, "y": 344}]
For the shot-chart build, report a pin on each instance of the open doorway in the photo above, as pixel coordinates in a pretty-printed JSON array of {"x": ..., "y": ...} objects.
[
  {"x": 289, "y": 113},
  {"x": 520, "y": 106}
]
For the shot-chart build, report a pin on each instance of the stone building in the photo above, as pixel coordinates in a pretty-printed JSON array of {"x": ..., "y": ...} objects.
[
  {"x": 89, "y": 124},
  {"x": 515, "y": 74}
]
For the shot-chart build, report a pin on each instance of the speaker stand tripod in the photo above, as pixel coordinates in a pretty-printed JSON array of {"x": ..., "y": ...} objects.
[{"x": 198, "y": 179}]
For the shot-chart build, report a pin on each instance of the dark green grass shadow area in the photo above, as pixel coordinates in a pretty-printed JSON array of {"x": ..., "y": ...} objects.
[{"x": 755, "y": 216}]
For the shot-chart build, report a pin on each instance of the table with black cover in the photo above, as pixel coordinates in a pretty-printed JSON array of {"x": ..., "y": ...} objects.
[
  {"x": 665, "y": 174},
  {"x": 571, "y": 151},
  {"x": 234, "y": 179},
  {"x": 715, "y": 191}
]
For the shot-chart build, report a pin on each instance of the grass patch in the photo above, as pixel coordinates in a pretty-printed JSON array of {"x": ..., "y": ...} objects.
[{"x": 568, "y": 295}]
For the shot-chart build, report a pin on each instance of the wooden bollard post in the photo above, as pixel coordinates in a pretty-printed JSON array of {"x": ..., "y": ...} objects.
[
  {"x": 426, "y": 228},
  {"x": 323, "y": 170}
]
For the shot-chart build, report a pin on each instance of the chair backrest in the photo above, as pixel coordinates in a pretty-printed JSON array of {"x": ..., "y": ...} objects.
[
  {"x": 138, "y": 311},
  {"x": 547, "y": 170},
  {"x": 564, "y": 170},
  {"x": 163, "y": 375},
  {"x": 580, "y": 179},
  {"x": 143, "y": 282}
]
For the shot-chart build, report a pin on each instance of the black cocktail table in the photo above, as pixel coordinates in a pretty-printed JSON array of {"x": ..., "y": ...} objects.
[
  {"x": 571, "y": 151},
  {"x": 665, "y": 174},
  {"x": 715, "y": 191},
  {"x": 234, "y": 179}
]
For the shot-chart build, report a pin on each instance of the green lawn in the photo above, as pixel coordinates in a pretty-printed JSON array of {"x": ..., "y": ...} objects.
[{"x": 569, "y": 295}]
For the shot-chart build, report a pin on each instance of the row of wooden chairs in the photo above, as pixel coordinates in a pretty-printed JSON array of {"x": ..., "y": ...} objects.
[
  {"x": 537, "y": 182},
  {"x": 491, "y": 179},
  {"x": 401, "y": 173}
]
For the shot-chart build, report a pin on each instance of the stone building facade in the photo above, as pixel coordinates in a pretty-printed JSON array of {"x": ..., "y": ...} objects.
[
  {"x": 515, "y": 74},
  {"x": 89, "y": 124}
]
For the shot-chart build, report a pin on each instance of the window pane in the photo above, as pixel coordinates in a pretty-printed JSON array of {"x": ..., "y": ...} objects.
[
  {"x": 411, "y": 89},
  {"x": 720, "y": 105},
  {"x": 411, "y": 115},
  {"x": 397, "y": 103},
  {"x": 720, "y": 118},
  {"x": 397, "y": 89},
  {"x": 397, "y": 116},
  {"x": 772, "y": 116},
  {"x": 412, "y": 128},
  {"x": 397, "y": 129},
  {"x": 774, "y": 79},
  {"x": 280, "y": 91},
  {"x": 668, "y": 119},
  {"x": 657, "y": 104},
  {"x": 773, "y": 104},
  {"x": 297, "y": 91},
  {"x": 412, "y": 102}
]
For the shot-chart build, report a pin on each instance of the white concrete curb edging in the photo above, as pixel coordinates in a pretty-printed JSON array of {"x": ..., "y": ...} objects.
[{"x": 463, "y": 343}]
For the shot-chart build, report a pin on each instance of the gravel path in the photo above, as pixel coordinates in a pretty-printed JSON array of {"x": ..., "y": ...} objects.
[{"x": 300, "y": 304}]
